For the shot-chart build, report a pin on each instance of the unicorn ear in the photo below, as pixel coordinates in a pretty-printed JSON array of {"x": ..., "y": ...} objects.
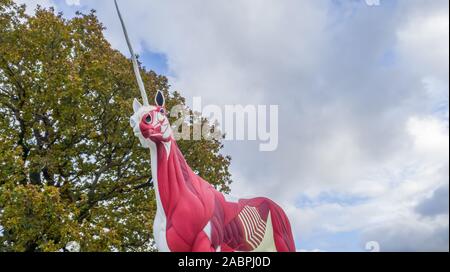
[
  {"x": 159, "y": 99},
  {"x": 136, "y": 105}
]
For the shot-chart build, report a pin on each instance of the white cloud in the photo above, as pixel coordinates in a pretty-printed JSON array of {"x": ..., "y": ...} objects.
[
  {"x": 424, "y": 41},
  {"x": 313, "y": 250},
  {"x": 73, "y": 2},
  {"x": 430, "y": 137}
]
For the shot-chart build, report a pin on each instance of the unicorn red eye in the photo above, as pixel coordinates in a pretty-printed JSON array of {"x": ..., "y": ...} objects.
[{"x": 148, "y": 119}]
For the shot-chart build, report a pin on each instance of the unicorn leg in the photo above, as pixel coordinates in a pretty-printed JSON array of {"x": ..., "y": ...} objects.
[{"x": 282, "y": 233}]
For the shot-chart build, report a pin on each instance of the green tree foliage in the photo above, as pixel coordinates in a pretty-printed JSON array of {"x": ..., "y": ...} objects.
[{"x": 70, "y": 167}]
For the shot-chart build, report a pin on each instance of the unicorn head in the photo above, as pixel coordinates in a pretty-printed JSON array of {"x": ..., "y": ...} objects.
[{"x": 150, "y": 123}]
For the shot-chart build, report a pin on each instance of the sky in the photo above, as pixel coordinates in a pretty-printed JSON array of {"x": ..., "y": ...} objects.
[{"x": 362, "y": 88}]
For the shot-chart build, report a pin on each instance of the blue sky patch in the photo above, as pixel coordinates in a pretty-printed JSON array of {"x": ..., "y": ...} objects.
[
  {"x": 155, "y": 61},
  {"x": 304, "y": 201}
]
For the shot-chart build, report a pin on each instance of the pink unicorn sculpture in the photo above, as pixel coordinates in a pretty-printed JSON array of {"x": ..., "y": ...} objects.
[{"x": 191, "y": 215}]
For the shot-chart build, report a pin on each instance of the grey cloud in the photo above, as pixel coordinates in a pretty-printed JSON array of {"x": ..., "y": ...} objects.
[
  {"x": 409, "y": 237},
  {"x": 437, "y": 204}
]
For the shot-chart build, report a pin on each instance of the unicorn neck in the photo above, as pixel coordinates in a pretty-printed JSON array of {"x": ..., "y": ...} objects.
[{"x": 170, "y": 173}]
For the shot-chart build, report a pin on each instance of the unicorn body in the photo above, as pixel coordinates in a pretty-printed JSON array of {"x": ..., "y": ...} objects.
[{"x": 191, "y": 214}]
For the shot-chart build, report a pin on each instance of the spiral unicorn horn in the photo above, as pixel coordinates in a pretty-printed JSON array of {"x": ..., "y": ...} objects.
[{"x": 133, "y": 58}]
